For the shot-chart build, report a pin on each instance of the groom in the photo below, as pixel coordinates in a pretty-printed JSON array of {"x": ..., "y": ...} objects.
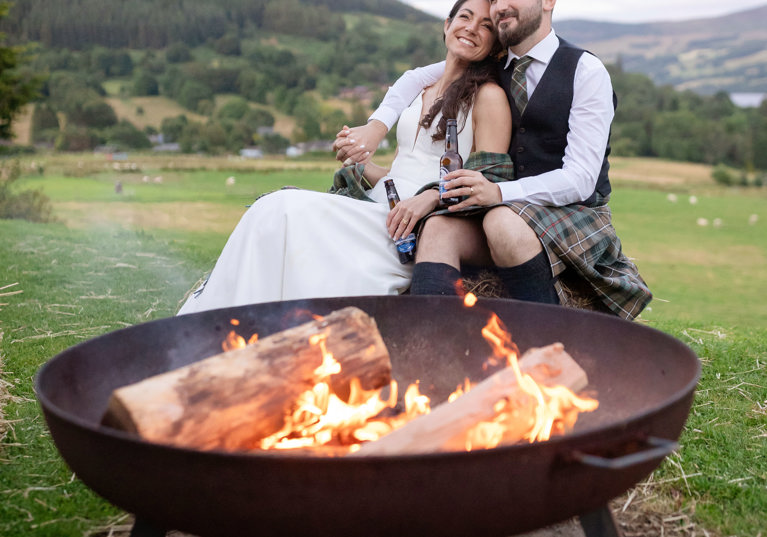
[{"x": 554, "y": 217}]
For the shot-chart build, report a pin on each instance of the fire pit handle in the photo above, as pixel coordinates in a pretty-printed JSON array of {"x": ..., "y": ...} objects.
[{"x": 657, "y": 449}]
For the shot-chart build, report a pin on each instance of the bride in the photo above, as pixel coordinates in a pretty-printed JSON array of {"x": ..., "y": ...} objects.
[{"x": 294, "y": 244}]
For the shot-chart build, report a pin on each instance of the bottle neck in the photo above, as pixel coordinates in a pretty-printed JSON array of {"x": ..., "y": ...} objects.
[
  {"x": 451, "y": 137},
  {"x": 391, "y": 193}
]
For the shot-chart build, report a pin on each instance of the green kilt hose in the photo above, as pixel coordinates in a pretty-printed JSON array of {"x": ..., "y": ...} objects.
[{"x": 580, "y": 241}]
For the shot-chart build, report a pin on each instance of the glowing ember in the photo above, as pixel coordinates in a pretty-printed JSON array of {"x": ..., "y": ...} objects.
[{"x": 235, "y": 341}]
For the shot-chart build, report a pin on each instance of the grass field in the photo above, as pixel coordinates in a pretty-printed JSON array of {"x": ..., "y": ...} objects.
[{"x": 114, "y": 260}]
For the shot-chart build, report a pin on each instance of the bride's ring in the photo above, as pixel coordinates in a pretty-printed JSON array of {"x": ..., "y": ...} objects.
[
  {"x": 406, "y": 221},
  {"x": 471, "y": 189}
]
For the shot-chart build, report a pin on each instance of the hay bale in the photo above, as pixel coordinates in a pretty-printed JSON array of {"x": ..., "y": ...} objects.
[
  {"x": 483, "y": 283},
  {"x": 486, "y": 283}
]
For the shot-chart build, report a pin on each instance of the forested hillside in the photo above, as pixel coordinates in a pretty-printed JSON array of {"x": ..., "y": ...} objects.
[
  {"x": 217, "y": 77},
  {"x": 240, "y": 64},
  {"x": 78, "y": 24}
]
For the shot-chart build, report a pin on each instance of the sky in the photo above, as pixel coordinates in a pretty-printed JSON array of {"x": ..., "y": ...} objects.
[{"x": 625, "y": 11}]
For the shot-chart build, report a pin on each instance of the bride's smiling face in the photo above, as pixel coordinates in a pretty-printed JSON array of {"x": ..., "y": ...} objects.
[{"x": 470, "y": 34}]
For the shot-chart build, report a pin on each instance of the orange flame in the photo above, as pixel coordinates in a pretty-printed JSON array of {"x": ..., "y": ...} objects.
[
  {"x": 234, "y": 341},
  {"x": 554, "y": 408},
  {"x": 321, "y": 419}
]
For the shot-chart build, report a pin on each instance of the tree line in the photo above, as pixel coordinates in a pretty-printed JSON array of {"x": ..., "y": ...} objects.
[
  {"x": 653, "y": 121},
  {"x": 140, "y": 24},
  {"x": 274, "y": 70},
  {"x": 659, "y": 121}
]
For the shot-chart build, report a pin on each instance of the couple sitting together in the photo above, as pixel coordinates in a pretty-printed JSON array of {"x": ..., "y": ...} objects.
[{"x": 533, "y": 114}]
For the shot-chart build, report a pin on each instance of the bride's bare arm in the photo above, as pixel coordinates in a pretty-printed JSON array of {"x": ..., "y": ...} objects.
[
  {"x": 492, "y": 119},
  {"x": 374, "y": 172}
]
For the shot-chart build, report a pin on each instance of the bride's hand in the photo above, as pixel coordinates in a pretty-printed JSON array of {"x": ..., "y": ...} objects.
[
  {"x": 475, "y": 187},
  {"x": 403, "y": 218},
  {"x": 358, "y": 144}
]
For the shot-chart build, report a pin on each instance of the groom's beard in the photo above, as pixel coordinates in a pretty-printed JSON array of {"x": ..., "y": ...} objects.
[{"x": 528, "y": 23}]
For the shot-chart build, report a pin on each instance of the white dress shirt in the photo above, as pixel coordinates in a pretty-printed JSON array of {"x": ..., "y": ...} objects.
[{"x": 590, "y": 118}]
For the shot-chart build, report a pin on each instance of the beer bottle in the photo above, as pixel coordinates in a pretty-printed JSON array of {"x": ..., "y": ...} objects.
[
  {"x": 405, "y": 245},
  {"x": 450, "y": 161}
]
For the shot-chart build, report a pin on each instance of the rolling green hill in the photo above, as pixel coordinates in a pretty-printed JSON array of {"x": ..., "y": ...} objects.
[
  {"x": 705, "y": 55},
  {"x": 216, "y": 78}
]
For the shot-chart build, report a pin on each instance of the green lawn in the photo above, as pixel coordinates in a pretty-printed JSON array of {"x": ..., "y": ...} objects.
[
  {"x": 714, "y": 273},
  {"x": 79, "y": 281}
]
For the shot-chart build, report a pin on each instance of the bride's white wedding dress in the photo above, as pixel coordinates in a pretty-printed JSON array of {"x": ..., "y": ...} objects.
[{"x": 294, "y": 244}]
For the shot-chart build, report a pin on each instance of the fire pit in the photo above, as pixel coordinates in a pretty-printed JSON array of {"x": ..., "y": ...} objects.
[{"x": 644, "y": 379}]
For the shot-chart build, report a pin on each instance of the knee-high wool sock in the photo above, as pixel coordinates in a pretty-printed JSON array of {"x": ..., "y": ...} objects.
[
  {"x": 435, "y": 279},
  {"x": 530, "y": 281}
]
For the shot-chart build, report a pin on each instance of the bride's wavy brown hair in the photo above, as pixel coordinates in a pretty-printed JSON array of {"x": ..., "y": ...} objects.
[{"x": 460, "y": 95}]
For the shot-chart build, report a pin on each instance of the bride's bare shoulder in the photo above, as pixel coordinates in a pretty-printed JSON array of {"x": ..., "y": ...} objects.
[{"x": 491, "y": 95}]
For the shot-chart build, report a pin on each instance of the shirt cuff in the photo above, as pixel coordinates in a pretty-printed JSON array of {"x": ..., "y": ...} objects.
[{"x": 511, "y": 191}]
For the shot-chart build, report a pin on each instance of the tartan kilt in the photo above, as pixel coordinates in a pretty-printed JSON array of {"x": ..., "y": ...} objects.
[
  {"x": 581, "y": 242},
  {"x": 584, "y": 251}
]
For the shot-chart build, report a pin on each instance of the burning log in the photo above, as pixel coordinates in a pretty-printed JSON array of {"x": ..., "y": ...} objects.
[
  {"x": 232, "y": 400},
  {"x": 452, "y": 426}
]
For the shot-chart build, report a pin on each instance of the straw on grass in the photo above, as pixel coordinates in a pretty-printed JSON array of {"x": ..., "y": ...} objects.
[{"x": 5, "y": 398}]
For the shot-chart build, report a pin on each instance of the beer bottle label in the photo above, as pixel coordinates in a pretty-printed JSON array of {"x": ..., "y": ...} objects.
[
  {"x": 406, "y": 244},
  {"x": 443, "y": 171}
]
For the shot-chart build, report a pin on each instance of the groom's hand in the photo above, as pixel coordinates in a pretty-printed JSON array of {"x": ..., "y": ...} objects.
[{"x": 473, "y": 187}]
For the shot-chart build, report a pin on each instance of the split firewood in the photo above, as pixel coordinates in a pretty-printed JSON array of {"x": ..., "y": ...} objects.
[
  {"x": 447, "y": 426},
  {"x": 232, "y": 400}
]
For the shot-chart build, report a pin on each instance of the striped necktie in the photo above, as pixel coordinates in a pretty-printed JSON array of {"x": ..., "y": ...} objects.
[{"x": 519, "y": 82}]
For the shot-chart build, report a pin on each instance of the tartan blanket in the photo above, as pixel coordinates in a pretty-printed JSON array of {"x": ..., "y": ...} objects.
[
  {"x": 576, "y": 238},
  {"x": 350, "y": 181}
]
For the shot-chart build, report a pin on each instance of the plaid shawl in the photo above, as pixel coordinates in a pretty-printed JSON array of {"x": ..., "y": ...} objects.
[
  {"x": 350, "y": 181},
  {"x": 577, "y": 238}
]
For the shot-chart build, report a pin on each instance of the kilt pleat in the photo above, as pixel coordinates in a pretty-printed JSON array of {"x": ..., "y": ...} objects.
[{"x": 582, "y": 239}]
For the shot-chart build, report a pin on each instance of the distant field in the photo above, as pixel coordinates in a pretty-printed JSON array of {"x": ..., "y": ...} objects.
[
  {"x": 659, "y": 173},
  {"x": 686, "y": 233}
]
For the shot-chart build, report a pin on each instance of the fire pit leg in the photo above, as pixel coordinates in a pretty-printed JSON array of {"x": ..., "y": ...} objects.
[
  {"x": 599, "y": 523},
  {"x": 142, "y": 528}
]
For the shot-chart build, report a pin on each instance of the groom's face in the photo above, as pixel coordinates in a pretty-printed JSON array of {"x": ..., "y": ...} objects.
[{"x": 516, "y": 20}]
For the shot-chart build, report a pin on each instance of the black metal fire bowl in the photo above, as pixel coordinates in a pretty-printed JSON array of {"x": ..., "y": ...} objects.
[{"x": 644, "y": 380}]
